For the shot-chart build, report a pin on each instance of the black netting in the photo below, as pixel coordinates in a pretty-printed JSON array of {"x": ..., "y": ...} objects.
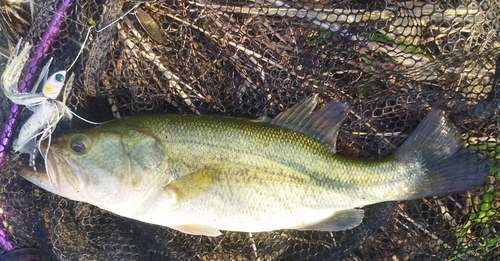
[{"x": 391, "y": 60}]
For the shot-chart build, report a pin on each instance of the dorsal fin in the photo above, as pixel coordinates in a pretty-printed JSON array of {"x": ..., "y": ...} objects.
[{"x": 322, "y": 125}]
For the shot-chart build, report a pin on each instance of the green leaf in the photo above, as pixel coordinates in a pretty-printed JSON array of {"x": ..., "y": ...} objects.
[
  {"x": 488, "y": 198},
  {"x": 92, "y": 22},
  {"x": 321, "y": 37},
  {"x": 485, "y": 207},
  {"x": 382, "y": 38},
  {"x": 366, "y": 60},
  {"x": 492, "y": 242},
  {"x": 312, "y": 43}
]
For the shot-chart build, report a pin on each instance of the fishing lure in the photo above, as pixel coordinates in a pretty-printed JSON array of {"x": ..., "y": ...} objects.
[
  {"x": 47, "y": 110},
  {"x": 42, "y": 48}
]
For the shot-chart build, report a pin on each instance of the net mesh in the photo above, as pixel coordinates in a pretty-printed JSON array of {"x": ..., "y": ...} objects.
[{"x": 391, "y": 60}]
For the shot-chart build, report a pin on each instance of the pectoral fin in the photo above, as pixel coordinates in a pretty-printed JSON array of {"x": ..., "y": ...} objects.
[
  {"x": 198, "y": 230},
  {"x": 193, "y": 185},
  {"x": 339, "y": 221}
]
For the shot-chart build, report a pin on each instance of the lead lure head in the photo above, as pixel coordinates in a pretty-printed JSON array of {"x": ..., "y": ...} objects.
[{"x": 54, "y": 84}]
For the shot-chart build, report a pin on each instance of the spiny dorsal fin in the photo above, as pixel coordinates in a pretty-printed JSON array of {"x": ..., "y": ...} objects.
[{"x": 322, "y": 125}]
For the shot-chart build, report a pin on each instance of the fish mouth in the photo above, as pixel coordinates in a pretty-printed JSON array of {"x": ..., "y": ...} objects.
[
  {"x": 48, "y": 177},
  {"x": 51, "y": 178}
]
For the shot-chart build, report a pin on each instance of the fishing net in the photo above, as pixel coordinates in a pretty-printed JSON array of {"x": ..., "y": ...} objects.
[{"x": 391, "y": 60}]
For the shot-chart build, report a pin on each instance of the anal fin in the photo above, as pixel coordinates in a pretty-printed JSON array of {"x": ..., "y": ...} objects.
[
  {"x": 339, "y": 221},
  {"x": 198, "y": 230}
]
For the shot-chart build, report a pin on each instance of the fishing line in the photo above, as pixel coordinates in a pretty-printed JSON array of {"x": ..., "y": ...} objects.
[
  {"x": 81, "y": 49},
  {"x": 98, "y": 31},
  {"x": 45, "y": 157},
  {"x": 88, "y": 121},
  {"x": 119, "y": 18}
]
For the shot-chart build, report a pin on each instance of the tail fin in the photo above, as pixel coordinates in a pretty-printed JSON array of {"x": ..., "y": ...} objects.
[{"x": 440, "y": 164}]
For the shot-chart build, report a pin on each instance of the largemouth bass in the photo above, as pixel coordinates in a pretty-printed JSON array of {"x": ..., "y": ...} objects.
[{"x": 203, "y": 174}]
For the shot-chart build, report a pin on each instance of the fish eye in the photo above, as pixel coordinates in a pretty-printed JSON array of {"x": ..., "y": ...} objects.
[
  {"x": 78, "y": 147},
  {"x": 79, "y": 143}
]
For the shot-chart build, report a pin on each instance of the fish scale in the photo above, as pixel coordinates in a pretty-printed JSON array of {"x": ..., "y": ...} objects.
[{"x": 315, "y": 157}]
